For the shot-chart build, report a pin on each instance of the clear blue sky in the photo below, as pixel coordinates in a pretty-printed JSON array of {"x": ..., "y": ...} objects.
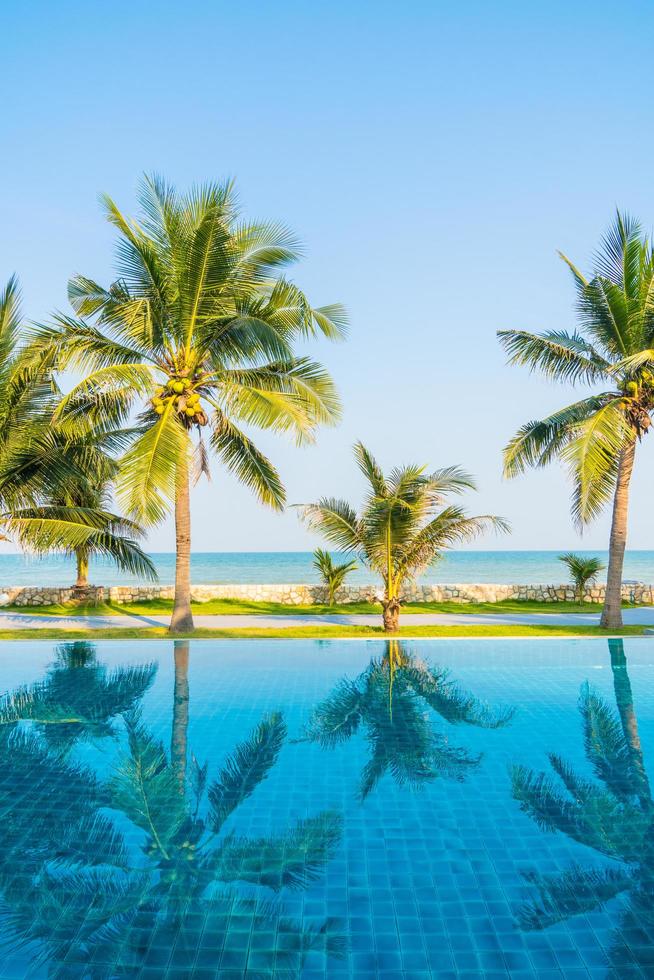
[{"x": 432, "y": 156}]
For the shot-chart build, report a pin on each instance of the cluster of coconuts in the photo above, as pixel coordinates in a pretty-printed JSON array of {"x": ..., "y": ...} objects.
[
  {"x": 187, "y": 403},
  {"x": 633, "y": 389}
]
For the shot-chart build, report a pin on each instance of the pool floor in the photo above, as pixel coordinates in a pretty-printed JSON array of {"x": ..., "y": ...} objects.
[{"x": 319, "y": 809}]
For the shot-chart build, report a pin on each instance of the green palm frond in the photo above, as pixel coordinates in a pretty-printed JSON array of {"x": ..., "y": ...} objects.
[
  {"x": 539, "y": 443},
  {"x": 39, "y": 530},
  {"x": 451, "y": 527},
  {"x": 631, "y": 366},
  {"x": 241, "y": 457},
  {"x": 263, "y": 247},
  {"x": 287, "y": 397},
  {"x": 10, "y": 316},
  {"x": 370, "y": 469},
  {"x": 558, "y": 355},
  {"x": 146, "y": 484},
  {"x": 336, "y": 521},
  {"x": 83, "y": 346},
  {"x": 126, "y": 554},
  {"x": 245, "y": 769},
  {"x": 116, "y": 379},
  {"x": 592, "y": 456}
]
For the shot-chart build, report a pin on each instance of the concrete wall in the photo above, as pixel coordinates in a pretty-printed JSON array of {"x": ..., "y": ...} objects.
[{"x": 295, "y": 595}]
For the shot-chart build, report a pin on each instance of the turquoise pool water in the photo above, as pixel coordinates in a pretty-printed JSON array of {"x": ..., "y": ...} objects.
[{"x": 327, "y": 809}]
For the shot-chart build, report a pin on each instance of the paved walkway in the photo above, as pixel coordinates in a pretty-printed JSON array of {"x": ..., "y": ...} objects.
[{"x": 16, "y": 621}]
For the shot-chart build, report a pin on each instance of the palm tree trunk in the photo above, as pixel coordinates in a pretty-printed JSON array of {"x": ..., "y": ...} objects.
[
  {"x": 182, "y": 618},
  {"x": 82, "y": 560},
  {"x": 179, "y": 738},
  {"x": 391, "y": 615},
  {"x": 612, "y": 612}
]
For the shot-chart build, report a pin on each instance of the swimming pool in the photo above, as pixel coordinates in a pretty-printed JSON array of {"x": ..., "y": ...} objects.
[{"x": 327, "y": 809}]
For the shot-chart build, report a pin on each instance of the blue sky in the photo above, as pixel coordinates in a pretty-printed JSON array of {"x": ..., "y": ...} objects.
[{"x": 431, "y": 156}]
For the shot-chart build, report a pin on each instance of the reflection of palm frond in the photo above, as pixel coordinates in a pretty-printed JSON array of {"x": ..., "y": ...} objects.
[
  {"x": 572, "y": 892},
  {"x": 450, "y": 701},
  {"x": 597, "y": 819},
  {"x": 337, "y": 717},
  {"x": 615, "y": 819},
  {"x": 144, "y": 787},
  {"x": 46, "y": 803},
  {"x": 78, "y": 698},
  {"x": 606, "y": 747},
  {"x": 62, "y": 910},
  {"x": 631, "y": 956},
  {"x": 248, "y": 766},
  {"x": 292, "y": 860}
]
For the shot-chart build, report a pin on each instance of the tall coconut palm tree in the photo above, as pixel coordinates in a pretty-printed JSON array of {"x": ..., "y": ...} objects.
[
  {"x": 405, "y": 524},
  {"x": 198, "y": 332},
  {"x": 388, "y": 701},
  {"x": 613, "y": 349}
]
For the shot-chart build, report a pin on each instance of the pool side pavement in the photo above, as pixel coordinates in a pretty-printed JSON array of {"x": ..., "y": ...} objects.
[{"x": 31, "y": 621}]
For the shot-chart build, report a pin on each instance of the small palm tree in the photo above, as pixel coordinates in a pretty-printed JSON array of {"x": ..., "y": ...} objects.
[
  {"x": 404, "y": 526},
  {"x": 583, "y": 571},
  {"x": 198, "y": 332},
  {"x": 597, "y": 437},
  {"x": 333, "y": 576}
]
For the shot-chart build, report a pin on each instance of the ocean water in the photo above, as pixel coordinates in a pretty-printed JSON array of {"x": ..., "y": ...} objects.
[
  {"x": 327, "y": 810},
  {"x": 520, "y": 567}
]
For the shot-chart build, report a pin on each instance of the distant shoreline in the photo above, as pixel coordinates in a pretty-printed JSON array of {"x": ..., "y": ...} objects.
[{"x": 534, "y": 568}]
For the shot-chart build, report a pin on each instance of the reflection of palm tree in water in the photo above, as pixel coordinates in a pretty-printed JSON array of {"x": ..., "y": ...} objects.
[
  {"x": 78, "y": 698},
  {"x": 388, "y": 701},
  {"x": 616, "y": 819},
  {"x": 74, "y": 890},
  {"x": 179, "y": 737}
]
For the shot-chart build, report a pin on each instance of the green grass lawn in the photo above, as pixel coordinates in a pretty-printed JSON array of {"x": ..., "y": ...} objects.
[
  {"x": 238, "y": 607},
  {"x": 322, "y": 632}
]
